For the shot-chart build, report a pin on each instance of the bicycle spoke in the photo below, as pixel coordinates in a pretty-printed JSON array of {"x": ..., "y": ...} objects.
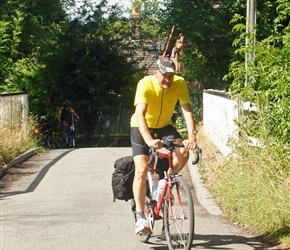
[{"x": 179, "y": 217}]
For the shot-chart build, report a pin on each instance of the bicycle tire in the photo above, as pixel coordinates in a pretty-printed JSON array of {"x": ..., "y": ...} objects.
[
  {"x": 149, "y": 215},
  {"x": 73, "y": 139},
  {"x": 179, "y": 230},
  {"x": 51, "y": 145},
  {"x": 68, "y": 139}
]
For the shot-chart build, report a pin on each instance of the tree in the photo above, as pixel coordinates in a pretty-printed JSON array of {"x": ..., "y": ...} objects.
[
  {"x": 26, "y": 28},
  {"x": 208, "y": 37},
  {"x": 268, "y": 77},
  {"x": 86, "y": 58},
  {"x": 88, "y": 64}
]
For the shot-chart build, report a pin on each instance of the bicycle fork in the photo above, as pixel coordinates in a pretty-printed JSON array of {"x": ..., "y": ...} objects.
[{"x": 170, "y": 201}]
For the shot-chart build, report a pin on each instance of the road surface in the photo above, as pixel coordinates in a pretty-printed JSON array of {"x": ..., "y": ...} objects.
[{"x": 66, "y": 203}]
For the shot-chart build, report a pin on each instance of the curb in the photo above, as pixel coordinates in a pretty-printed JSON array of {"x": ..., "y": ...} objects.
[
  {"x": 18, "y": 160},
  {"x": 204, "y": 197}
]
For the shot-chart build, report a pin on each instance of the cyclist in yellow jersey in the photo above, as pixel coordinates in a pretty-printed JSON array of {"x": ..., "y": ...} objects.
[
  {"x": 65, "y": 117},
  {"x": 155, "y": 100}
]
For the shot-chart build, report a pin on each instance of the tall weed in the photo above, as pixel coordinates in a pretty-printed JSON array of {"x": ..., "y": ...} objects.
[
  {"x": 16, "y": 140},
  {"x": 253, "y": 186}
]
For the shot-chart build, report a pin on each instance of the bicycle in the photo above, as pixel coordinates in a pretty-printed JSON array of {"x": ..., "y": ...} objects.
[
  {"x": 46, "y": 138},
  {"x": 70, "y": 139},
  {"x": 175, "y": 201},
  {"x": 49, "y": 143}
]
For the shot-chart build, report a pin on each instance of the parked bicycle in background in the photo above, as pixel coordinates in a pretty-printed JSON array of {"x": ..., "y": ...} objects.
[{"x": 44, "y": 132}]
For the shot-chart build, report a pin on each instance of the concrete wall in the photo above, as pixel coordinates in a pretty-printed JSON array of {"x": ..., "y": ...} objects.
[
  {"x": 219, "y": 112},
  {"x": 13, "y": 109}
]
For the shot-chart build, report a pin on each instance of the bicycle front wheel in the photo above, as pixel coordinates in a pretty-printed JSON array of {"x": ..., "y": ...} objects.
[{"x": 178, "y": 215}]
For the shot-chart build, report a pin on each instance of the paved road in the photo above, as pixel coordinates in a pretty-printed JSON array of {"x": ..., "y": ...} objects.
[{"x": 67, "y": 204}]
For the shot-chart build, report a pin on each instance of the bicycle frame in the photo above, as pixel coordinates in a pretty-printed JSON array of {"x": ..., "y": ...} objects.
[
  {"x": 168, "y": 176},
  {"x": 70, "y": 136},
  {"x": 175, "y": 201}
]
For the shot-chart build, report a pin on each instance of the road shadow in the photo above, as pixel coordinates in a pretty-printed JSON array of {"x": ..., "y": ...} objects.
[
  {"x": 212, "y": 242},
  {"x": 33, "y": 185}
]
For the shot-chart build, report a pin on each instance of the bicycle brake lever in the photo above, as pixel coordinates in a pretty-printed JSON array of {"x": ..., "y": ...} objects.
[
  {"x": 152, "y": 155},
  {"x": 198, "y": 152}
]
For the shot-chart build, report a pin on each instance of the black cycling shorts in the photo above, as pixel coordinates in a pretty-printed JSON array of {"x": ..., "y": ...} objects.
[
  {"x": 69, "y": 122},
  {"x": 139, "y": 147}
]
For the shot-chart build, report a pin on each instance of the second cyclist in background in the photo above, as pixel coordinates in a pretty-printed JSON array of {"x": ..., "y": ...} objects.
[{"x": 65, "y": 114}]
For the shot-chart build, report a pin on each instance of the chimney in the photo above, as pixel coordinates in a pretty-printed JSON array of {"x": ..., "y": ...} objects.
[{"x": 135, "y": 23}]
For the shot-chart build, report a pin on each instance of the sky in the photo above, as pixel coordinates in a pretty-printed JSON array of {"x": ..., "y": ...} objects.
[{"x": 125, "y": 3}]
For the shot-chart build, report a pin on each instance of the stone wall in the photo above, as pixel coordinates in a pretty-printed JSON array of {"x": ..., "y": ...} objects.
[{"x": 219, "y": 112}]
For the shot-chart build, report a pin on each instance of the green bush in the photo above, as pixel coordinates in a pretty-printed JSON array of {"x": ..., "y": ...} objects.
[
  {"x": 253, "y": 186},
  {"x": 267, "y": 78}
]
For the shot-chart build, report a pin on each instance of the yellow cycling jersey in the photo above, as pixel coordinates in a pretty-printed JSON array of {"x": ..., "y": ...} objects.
[
  {"x": 160, "y": 102},
  {"x": 61, "y": 110},
  {"x": 66, "y": 115}
]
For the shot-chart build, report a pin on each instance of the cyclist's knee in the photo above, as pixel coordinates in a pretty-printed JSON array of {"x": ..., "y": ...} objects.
[
  {"x": 182, "y": 154},
  {"x": 141, "y": 173},
  {"x": 141, "y": 167},
  {"x": 180, "y": 159}
]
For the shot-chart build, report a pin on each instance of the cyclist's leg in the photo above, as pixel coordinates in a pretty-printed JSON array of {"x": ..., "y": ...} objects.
[
  {"x": 139, "y": 184},
  {"x": 140, "y": 154},
  {"x": 64, "y": 129},
  {"x": 178, "y": 215},
  {"x": 181, "y": 155},
  {"x": 64, "y": 133},
  {"x": 70, "y": 134},
  {"x": 149, "y": 215}
]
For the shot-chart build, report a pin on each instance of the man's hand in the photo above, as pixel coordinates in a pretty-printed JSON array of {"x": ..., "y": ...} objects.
[
  {"x": 156, "y": 143},
  {"x": 189, "y": 144}
]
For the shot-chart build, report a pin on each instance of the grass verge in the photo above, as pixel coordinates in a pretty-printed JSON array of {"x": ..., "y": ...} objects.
[
  {"x": 252, "y": 187},
  {"x": 14, "y": 141}
]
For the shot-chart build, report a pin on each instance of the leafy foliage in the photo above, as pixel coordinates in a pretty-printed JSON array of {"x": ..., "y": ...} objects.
[
  {"x": 267, "y": 79},
  {"x": 83, "y": 58},
  {"x": 208, "y": 37}
]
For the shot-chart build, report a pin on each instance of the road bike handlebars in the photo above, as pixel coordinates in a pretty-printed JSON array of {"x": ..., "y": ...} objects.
[{"x": 170, "y": 145}]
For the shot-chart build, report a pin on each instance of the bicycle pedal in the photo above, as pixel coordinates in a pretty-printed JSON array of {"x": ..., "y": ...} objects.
[{"x": 158, "y": 217}]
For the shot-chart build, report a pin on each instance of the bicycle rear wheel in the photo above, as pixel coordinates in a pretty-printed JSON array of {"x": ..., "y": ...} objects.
[
  {"x": 179, "y": 216},
  {"x": 148, "y": 211},
  {"x": 51, "y": 145}
]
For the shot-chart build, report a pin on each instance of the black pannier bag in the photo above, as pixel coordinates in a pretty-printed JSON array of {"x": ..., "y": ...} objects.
[{"x": 122, "y": 178}]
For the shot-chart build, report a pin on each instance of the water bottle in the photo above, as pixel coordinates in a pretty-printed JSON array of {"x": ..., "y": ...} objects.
[
  {"x": 153, "y": 182},
  {"x": 161, "y": 185}
]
